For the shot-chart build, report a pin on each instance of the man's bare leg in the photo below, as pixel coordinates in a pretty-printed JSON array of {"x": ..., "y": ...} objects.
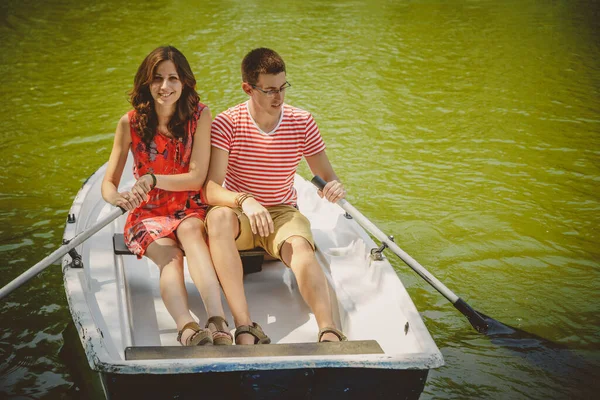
[
  {"x": 223, "y": 228},
  {"x": 300, "y": 256}
]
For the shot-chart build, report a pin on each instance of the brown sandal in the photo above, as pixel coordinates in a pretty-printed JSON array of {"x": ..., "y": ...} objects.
[
  {"x": 221, "y": 324},
  {"x": 200, "y": 337},
  {"x": 254, "y": 330},
  {"x": 336, "y": 332}
]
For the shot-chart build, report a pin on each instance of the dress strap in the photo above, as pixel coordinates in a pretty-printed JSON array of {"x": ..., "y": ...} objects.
[{"x": 193, "y": 123}]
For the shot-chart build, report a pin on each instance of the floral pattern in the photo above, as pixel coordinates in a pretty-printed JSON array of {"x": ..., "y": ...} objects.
[{"x": 163, "y": 212}]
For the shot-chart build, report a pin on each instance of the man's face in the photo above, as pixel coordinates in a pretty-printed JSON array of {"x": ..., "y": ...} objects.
[{"x": 269, "y": 92}]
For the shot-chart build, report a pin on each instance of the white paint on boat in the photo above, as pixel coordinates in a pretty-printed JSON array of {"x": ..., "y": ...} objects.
[{"x": 115, "y": 299}]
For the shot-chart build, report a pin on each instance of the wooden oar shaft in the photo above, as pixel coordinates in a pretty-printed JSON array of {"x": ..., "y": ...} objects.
[
  {"x": 58, "y": 253},
  {"x": 411, "y": 262}
]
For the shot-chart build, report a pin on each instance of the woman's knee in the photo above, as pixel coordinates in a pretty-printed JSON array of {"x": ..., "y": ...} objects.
[
  {"x": 163, "y": 255},
  {"x": 190, "y": 228},
  {"x": 222, "y": 221}
]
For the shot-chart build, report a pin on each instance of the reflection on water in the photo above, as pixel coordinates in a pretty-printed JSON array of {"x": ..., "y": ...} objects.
[{"x": 468, "y": 130}]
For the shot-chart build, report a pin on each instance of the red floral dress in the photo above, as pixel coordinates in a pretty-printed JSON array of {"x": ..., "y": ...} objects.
[{"x": 163, "y": 212}]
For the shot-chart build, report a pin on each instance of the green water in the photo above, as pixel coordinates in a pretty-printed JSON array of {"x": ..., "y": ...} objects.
[{"x": 467, "y": 129}]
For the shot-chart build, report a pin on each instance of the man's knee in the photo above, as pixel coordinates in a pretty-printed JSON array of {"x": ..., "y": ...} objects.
[
  {"x": 300, "y": 244},
  {"x": 222, "y": 221},
  {"x": 297, "y": 247}
]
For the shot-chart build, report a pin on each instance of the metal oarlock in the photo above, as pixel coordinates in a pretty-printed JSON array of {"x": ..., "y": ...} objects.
[
  {"x": 377, "y": 253},
  {"x": 75, "y": 257}
]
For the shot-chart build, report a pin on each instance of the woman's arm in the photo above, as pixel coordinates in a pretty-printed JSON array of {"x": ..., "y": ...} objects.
[
  {"x": 114, "y": 171},
  {"x": 196, "y": 176}
]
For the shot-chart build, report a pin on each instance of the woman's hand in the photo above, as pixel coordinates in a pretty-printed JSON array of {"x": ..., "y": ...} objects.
[
  {"x": 138, "y": 194},
  {"x": 333, "y": 191},
  {"x": 260, "y": 219},
  {"x": 142, "y": 187},
  {"x": 126, "y": 200}
]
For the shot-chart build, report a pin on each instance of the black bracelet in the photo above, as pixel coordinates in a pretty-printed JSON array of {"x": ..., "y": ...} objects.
[{"x": 153, "y": 179}]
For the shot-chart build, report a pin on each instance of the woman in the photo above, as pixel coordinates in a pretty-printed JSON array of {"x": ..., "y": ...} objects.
[{"x": 168, "y": 132}]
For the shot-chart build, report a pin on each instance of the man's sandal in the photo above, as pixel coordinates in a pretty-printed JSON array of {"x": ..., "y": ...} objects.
[
  {"x": 254, "y": 330},
  {"x": 336, "y": 332},
  {"x": 221, "y": 325},
  {"x": 200, "y": 337}
]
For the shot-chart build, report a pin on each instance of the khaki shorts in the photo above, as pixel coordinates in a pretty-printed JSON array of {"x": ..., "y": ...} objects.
[{"x": 287, "y": 221}]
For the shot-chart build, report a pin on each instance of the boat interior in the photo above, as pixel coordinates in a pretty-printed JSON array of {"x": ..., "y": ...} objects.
[{"x": 370, "y": 303}]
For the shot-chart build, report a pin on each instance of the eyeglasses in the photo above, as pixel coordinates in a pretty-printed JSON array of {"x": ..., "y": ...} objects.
[{"x": 273, "y": 92}]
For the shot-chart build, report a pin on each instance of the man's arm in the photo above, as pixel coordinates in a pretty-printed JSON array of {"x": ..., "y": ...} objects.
[
  {"x": 260, "y": 219},
  {"x": 319, "y": 165},
  {"x": 215, "y": 193}
]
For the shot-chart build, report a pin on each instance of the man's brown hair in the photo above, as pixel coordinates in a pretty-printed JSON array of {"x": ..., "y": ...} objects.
[{"x": 261, "y": 61}]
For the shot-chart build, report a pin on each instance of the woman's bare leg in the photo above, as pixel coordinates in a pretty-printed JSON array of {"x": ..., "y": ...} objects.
[
  {"x": 192, "y": 237},
  {"x": 168, "y": 256}
]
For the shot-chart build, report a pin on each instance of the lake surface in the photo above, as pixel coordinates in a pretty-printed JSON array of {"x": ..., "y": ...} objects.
[{"x": 469, "y": 130}]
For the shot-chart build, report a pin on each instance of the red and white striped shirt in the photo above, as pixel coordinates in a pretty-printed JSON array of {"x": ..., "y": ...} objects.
[{"x": 264, "y": 164}]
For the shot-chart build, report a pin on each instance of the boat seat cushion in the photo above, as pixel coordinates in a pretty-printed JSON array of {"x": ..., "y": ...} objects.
[
  {"x": 251, "y": 259},
  {"x": 270, "y": 350}
]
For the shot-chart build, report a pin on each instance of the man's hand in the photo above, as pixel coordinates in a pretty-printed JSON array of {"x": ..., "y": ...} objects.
[
  {"x": 260, "y": 219},
  {"x": 333, "y": 191}
]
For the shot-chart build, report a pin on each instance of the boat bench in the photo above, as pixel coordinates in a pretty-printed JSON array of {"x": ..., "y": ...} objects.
[
  {"x": 252, "y": 260},
  {"x": 270, "y": 350}
]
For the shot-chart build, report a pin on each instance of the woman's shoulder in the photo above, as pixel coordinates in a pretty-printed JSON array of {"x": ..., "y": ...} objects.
[
  {"x": 124, "y": 121},
  {"x": 200, "y": 109}
]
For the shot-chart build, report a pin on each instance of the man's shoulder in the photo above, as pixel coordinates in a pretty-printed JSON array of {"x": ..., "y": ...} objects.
[
  {"x": 296, "y": 114},
  {"x": 230, "y": 117},
  {"x": 233, "y": 112}
]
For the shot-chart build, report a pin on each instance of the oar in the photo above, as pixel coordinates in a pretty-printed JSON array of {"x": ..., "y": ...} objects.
[
  {"x": 58, "y": 253},
  {"x": 481, "y": 322}
]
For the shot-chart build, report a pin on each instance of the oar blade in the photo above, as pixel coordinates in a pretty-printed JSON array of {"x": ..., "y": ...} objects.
[
  {"x": 496, "y": 328},
  {"x": 475, "y": 319}
]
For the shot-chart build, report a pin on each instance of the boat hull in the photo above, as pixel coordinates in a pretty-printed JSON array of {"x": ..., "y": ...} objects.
[{"x": 304, "y": 383}]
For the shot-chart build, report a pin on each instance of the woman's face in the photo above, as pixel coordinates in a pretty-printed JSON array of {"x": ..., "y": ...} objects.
[{"x": 166, "y": 87}]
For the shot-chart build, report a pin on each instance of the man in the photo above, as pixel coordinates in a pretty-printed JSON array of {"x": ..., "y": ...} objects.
[{"x": 256, "y": 149}]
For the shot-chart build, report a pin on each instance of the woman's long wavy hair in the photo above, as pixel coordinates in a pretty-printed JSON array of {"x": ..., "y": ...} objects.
[{"x": 146, "y": 120}]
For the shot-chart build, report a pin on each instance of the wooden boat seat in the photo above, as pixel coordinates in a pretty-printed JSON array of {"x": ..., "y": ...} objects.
[
  {"x": 251, "y": 259},
  {"x": 271, "y": 350}
]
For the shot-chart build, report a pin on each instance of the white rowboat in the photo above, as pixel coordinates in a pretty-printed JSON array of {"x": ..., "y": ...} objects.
[{"x": 129, "y": 338}]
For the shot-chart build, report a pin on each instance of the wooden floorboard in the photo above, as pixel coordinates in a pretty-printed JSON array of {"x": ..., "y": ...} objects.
[{"x": 269, "y": 350}]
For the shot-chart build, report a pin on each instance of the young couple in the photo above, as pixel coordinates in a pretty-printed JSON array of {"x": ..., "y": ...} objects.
[{"x": 247, "y": 178}]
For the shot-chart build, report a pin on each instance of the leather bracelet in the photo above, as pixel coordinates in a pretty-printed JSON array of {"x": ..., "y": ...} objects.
[{"x": 153, "y": 179}]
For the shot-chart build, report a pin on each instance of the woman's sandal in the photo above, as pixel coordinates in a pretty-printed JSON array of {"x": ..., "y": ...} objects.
[
  {"x": 254, "y": 330},
  {"x": 336, "y": 332},
  {"x": 221, "y": 324},
  {"x": 200, "y": 337}
]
